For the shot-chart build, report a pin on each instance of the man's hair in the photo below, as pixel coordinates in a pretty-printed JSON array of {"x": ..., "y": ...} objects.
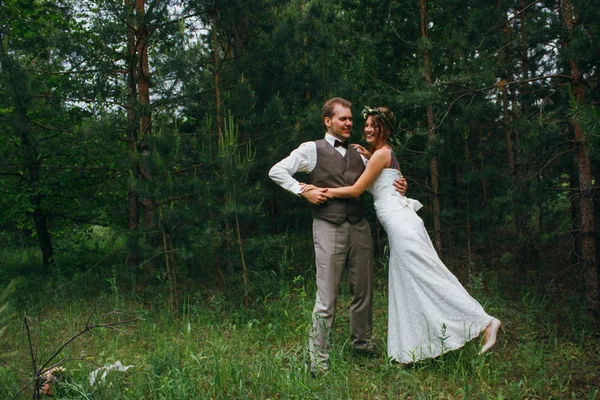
[{"x": 327, "y": 111}]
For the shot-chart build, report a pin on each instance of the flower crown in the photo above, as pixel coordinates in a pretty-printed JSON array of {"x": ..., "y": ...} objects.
[{"x": 375, "y": 111}]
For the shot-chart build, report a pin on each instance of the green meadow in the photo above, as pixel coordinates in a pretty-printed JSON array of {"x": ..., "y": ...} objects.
[{"x": 212, "y": 346}]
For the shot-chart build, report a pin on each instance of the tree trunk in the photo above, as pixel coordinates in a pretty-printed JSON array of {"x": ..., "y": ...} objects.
[
  {"x": 433, "y": 162},
  {"x": 143, "y": 86},
  {"x": 575, "y": 256},
  {"x": 468, "y": 198},
  {"x": 481, "y": 156},
  {"x": 143, "y": 74},
  {"x": 507, "y": 132},
  {"x": 133, "y": 213},
  {"x": 525, "y": 63},
  {"x": 30, "y": 156},
  {"x": 216, "y": 74},
  {"x": 505, "y": 77},
  {"x": 40, "y": 218},
  {"x": 584, "y": 170},
  {"x": 515, "y": 131},
  {"x": 139, "y": 121},
  {"x": 524, "y": 254},
  {"x": 241, "y": 247}
]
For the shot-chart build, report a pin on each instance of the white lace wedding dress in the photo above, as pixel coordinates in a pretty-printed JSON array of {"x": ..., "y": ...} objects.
[{"x": 430, "y": 312}]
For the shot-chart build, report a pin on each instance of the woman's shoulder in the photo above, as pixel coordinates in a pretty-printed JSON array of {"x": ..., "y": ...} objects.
[
  {"x": 381, "y": 157},
  {"x": 383, "y": 152}
]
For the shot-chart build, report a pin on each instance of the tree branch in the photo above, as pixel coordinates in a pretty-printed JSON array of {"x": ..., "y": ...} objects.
[{"x": 87, "y": 328}]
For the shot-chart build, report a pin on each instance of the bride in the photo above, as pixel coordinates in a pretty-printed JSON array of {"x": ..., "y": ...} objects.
[{"x": 429, "y": 311}]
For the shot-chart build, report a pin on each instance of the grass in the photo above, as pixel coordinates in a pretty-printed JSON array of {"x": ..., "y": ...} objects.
[{"x": 214, "y": 348}]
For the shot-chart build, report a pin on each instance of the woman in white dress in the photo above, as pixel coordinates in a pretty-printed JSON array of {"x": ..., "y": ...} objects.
[{"x": 429, "y": 311}]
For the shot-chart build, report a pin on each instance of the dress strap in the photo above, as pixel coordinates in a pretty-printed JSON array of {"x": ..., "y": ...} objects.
[{"x": 394, "y": 163}]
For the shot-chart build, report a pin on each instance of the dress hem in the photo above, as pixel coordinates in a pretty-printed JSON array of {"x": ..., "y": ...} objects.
[{"x": 445, "y": 350}]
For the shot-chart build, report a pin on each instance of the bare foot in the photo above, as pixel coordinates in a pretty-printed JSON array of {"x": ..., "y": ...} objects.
[{"x": 490, "y": 334}]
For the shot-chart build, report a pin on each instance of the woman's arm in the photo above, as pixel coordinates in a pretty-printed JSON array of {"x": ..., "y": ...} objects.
[{"x": 379, "y": 160}]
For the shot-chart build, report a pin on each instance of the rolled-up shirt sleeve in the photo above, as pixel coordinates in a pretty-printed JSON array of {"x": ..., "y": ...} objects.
[{"x": 303, "y": 159}]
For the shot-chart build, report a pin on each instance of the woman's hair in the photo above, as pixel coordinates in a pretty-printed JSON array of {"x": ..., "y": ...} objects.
[{"x": 384, "y": 120}]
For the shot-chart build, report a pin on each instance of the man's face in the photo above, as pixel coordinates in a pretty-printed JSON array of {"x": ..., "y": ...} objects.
[{"x": 340, "y": 124}]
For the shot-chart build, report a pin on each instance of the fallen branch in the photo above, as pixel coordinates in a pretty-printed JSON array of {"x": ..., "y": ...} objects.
[{"x": 39, "y": 371}]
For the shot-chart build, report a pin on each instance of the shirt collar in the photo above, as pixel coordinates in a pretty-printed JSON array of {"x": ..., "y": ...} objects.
[{"x": 330, "y": 138}]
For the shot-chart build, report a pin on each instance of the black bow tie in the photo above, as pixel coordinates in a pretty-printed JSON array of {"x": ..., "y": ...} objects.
[{"x": 338, "y": 143}]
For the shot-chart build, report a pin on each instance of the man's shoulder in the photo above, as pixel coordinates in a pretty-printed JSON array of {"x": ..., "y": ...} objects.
[
  {"x": 315, "y": 143},
  {"x": 308, "y": 145}
]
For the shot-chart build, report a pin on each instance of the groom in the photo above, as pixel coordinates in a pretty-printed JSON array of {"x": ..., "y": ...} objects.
[{"x": 341, "y": 235}]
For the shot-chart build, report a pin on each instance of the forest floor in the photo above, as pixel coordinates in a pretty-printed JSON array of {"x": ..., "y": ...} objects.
[{"x": 213, "y": 347}]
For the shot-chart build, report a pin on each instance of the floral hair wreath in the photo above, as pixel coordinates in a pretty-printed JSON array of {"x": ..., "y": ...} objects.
[{"x": 374, "y": 111}]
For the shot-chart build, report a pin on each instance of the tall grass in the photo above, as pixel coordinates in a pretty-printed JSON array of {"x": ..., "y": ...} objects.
[{"x": 214, "y": 348}]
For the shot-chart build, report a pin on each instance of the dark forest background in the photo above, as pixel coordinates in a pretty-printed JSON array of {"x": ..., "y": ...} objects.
[{"x": 136, "y": 137}]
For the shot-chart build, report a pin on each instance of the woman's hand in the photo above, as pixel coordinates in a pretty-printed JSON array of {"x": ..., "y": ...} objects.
[
  {"x": 363, "y": 151},
  {"x": 314, "y": 194}
]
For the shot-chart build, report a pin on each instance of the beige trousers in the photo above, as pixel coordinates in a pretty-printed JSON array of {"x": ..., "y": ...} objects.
[{"x": 337, "y": 248}]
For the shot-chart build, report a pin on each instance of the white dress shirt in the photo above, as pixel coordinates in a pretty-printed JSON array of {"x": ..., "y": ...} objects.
[{"x": 303, "y": 159}]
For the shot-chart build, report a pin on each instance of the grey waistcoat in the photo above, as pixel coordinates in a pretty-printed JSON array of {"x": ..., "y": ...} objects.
[{"x": 334, "y": 170}]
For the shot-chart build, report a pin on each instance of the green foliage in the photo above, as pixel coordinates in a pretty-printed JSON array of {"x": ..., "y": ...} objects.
[{"x": 72, "y": 150}]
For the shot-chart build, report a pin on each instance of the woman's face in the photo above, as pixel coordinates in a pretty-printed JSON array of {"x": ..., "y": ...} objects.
[{"x": 371, "y": 131}]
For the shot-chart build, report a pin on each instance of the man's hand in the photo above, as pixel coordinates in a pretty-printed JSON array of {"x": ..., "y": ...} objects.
[
  {"x": 315, "y": 195},
  {"x": 401, "y": 185}
]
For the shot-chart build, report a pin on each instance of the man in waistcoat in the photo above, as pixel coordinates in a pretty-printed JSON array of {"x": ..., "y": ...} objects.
[{"x": 342, "y": 236}]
